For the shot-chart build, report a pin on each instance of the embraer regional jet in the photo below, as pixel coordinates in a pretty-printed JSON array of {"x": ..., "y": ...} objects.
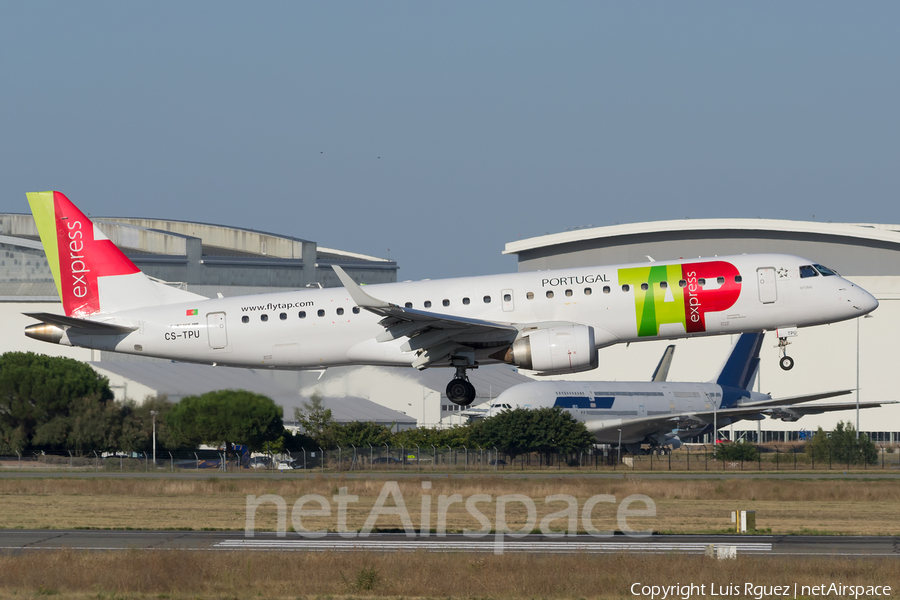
[
  {"x": 661, "y": 413},
  {"x": 550, "y": 322}
]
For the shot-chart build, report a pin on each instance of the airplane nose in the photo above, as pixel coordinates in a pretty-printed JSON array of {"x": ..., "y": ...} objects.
[
  {"x": 523, "y": 394},
  {"x": 862, "y": 300},
  {"x": 867, "y": 302}
]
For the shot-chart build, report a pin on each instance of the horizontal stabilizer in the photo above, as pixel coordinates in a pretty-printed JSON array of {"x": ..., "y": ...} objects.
[{"x": 84, "y": 326}]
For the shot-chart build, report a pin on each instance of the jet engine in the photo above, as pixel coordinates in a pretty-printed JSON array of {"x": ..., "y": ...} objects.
[
  {"x": 673, "y": 440},
  {"x": 559, "y": 349}
]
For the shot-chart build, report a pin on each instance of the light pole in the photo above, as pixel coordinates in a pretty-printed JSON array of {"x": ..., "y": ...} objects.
[
  {"x": 619, "y": 450},
  {"x": 153, "y": 414},
  {"x": 857, "y": 371},
  {"x": 715, "y": 408}
]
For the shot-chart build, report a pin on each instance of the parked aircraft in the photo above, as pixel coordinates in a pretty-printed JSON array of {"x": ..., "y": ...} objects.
[
  {"x": 662, "y": 414},
  {"x": 550, "y": 322}
]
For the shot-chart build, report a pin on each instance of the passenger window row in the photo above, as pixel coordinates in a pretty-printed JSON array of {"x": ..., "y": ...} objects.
[
  {"x": 508, "y": 297},
  {"x": 302, "y": 315}
]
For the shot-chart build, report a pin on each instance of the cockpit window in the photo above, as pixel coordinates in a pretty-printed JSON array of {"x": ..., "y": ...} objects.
[
  {"x": 807, "y": 271},
  {"x": 825, "y": 270}
]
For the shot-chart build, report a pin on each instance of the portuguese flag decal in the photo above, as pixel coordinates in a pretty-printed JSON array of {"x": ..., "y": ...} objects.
[{"x": 191, "y": 312}]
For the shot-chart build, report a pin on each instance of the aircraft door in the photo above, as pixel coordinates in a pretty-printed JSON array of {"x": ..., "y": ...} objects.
[
  {"x": 642, "y": 411},
  {"x": 768, "y": 293},
  {"x": 215, "y": 329},
  {"x": 508, "y": 302}
]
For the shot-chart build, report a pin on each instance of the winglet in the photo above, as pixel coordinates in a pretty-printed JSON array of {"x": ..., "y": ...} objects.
[{"x": 362, "y": 299}]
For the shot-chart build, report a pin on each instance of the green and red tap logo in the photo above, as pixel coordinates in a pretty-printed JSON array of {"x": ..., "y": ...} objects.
[{"x": 668, "y": 300}]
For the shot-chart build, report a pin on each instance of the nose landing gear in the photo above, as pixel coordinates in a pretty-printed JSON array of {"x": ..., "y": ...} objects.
[{"x": 785, "y": 362}]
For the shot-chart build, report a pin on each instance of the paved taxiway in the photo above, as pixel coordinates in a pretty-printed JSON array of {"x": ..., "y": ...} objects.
[{"x": 21, "y": 540}]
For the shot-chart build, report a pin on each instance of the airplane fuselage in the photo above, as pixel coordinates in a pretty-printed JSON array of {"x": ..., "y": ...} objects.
[
  {"x": 610, "y": 404},
  {"x": 625, "y": 303}
]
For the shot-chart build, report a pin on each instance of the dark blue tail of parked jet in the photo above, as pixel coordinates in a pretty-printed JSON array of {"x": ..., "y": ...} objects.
[{"x": 740, "y": 368}]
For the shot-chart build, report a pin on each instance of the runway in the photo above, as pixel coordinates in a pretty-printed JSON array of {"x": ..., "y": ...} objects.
[{"x": 17, "y": 541}]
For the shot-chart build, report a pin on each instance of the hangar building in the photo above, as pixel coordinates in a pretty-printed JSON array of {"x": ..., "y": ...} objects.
[
  {"x": 857, "y": 355},
  {"x": 210, "y": 259}
]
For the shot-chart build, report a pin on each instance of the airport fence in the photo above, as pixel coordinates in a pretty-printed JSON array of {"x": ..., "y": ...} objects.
[
  {"x": 689, "y": 458},
  {"x": 133, "y": 462}
]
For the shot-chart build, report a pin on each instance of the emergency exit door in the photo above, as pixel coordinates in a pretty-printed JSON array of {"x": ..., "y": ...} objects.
[
  {"x": 215, "y": 329},
  {"x": 768, "y": 293}
]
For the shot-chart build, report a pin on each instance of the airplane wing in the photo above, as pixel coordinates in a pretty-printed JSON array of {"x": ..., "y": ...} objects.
[
  {"x": 435, "y": 336},
  {"x": 82, "y": 326},
  {"x": 797, "y": 399},
  {"x": 636, "y": 430},
  {"x": 792, "y": 413}
]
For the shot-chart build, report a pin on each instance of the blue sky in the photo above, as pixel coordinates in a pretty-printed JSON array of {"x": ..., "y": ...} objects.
[{"x": 434, "y": 133}]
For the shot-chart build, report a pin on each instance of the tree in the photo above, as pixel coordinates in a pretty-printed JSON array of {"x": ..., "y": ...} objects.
[
  {"x": 317, "y": 422},
  {"x": 137, "y": 426},
  {"x": 228, "y": 417},
  {"x": 94, "y": 425},
  {"x": 842, "y": 446},
  {"x": 39, "y": 396},
  {"x": 738, "y": 451},
  {"x": 818, "y": 447},
  {"x": 456, "y": 436},
  {"x": 532, "y": 430},
  {"x": 361, "y": 434}
]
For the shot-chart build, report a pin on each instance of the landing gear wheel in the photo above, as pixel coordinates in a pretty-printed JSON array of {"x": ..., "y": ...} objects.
[
  {"x": 786, "y": 363},
  {"x": 461, "y": 392}
]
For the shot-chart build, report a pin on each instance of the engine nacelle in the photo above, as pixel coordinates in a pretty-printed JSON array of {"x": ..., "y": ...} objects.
[
  {"x": 672, "y": 440},
  {"x": 44, "y": 332},
  {"x": 561, "y": 349}
]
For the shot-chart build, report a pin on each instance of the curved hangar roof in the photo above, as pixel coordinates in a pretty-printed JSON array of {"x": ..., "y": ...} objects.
[{"x": 852, "y": 249}]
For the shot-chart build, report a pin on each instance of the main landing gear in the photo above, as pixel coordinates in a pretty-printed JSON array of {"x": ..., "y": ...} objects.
[{"x": 459, "y": 390}]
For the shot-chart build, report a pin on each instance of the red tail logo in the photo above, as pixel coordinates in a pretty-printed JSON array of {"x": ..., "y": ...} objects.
[{"x": 85, "y": 255}]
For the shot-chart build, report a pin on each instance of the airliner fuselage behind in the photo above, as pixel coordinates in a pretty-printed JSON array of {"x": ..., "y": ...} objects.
[{"x": 663, "y": 413}]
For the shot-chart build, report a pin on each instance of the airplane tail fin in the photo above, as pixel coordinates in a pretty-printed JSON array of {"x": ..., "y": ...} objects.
[
  {"x": 662, "y": 369},
  {"x": 740, "y": 368},
  {"x": 92, "y": 275}
]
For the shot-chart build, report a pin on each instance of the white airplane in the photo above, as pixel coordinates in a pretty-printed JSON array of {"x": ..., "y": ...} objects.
[
  {"x": 663, "y": 414},
  {"x": 550, "y": 322}
]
